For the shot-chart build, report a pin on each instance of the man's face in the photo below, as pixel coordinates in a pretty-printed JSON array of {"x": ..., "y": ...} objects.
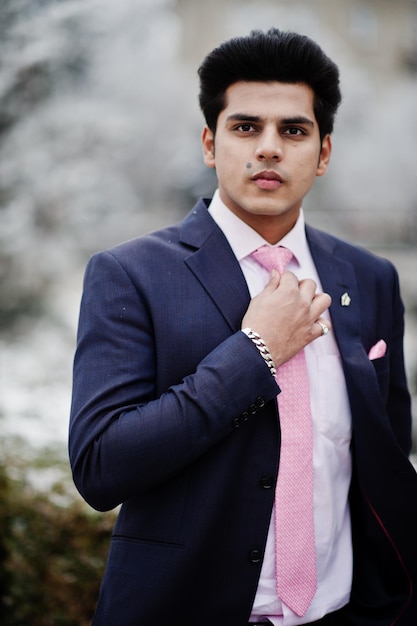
[{"x": 267, "y": 153}]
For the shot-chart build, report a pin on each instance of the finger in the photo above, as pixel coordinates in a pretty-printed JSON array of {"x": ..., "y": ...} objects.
[
  {"x": 321, "y": 302},
  {"x": 308, "y": 287},
  {"x": 290, "y": 278},
  {"x": 324, "y": 326},
  {"x": 274, "y": 280}
]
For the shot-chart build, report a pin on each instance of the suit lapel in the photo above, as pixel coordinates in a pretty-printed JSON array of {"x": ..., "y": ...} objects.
[
  {"x": 339, "y": 281},
  {"x": 338, "y": 277},
  {"x": 213, "y": 263}
]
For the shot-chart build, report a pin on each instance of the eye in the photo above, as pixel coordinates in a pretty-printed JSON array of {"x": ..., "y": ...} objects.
[
  {"x": 294, "y": 131},
  {"x": 245, "y": 127}
]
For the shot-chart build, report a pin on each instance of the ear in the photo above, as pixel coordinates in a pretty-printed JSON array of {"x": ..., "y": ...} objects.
[
  {"x": 207, "y": 140},
  {"x": 324, "y": 159}
]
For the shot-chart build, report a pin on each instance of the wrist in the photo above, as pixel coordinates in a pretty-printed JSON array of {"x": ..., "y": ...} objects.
[{"x": 262, "y": 348}]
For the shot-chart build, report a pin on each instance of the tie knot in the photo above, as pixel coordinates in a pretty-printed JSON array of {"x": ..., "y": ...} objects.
[{"x": 273, "y": 258}]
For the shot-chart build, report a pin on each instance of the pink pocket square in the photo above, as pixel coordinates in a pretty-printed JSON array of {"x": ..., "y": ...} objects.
[{"x": 378, "y": 350}]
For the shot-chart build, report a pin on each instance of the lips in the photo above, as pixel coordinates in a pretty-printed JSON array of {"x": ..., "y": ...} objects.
[{"x": 268, "y": 180}]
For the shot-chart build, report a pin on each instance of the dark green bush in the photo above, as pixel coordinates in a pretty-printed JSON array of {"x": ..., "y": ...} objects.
[{"x": 52, "y": 547}]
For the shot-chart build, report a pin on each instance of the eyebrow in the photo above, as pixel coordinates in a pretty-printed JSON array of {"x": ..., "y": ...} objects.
[{"x": 287, "y": 121}]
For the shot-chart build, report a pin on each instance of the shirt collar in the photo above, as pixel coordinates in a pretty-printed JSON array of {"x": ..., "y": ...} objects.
[{"x": 244, "y": 240}]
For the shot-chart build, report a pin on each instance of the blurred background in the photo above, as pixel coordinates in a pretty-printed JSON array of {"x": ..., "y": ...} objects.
[{"x": 100, "y": 142}]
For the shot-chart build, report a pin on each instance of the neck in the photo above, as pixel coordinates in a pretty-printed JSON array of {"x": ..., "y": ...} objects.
[{"x": 272, "y": 229}]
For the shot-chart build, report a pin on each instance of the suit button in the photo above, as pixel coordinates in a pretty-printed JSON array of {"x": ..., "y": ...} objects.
[
  {"x": 252, "y": 409},
  {"x": 260, "y": 402},
  {"x": 267, "y": 482},
  {"x": 244, "y": 416},
  {"x": 236, "y": 422},
  {"x": 255, "y": 556}
]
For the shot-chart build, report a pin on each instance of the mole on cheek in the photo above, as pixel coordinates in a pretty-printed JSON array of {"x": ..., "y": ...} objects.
[{"x": 248, "y": 165}]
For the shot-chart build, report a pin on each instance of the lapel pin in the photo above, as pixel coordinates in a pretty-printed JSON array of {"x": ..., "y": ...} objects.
[{"x": 345, "y": 300}]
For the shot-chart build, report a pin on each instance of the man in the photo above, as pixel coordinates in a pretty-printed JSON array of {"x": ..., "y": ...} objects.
[{"x": 178, "y": 411}]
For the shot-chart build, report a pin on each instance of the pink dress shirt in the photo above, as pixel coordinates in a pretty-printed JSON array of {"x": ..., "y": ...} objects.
[{"x": 331, "y": 432}]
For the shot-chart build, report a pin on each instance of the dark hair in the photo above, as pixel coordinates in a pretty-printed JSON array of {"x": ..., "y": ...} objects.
[{"x": 272, "y": 56}]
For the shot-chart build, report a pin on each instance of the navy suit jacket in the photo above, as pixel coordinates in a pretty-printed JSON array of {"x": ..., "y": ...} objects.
[{"x": 174, "y": 417}]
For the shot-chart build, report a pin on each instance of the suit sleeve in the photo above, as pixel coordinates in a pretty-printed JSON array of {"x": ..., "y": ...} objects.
[{"x": 125, "y": 437}]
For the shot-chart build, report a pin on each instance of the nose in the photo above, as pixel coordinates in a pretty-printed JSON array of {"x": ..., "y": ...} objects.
[{"x": 269, "y": 146}]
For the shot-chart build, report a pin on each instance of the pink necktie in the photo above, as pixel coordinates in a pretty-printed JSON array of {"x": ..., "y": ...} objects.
[{"x": 294, "y": 512}]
